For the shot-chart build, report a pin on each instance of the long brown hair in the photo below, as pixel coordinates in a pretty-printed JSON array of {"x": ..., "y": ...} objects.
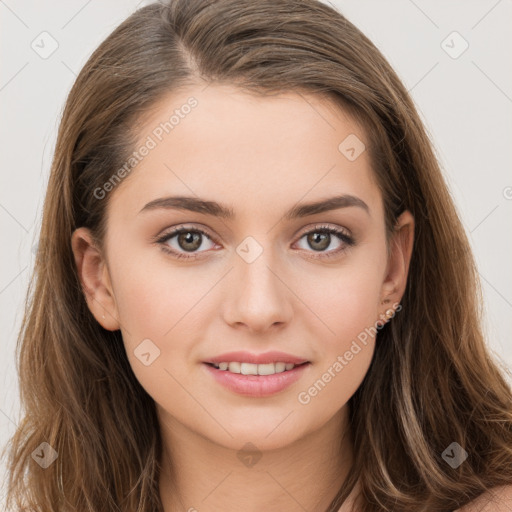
[{"x": 432, "y": 381}]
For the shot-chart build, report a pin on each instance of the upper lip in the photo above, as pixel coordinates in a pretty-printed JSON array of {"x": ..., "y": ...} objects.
[{"x": 264, "y": 358}]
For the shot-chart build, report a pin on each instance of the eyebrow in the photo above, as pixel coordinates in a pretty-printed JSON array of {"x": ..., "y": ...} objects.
[{"x": 195, "y": 204}]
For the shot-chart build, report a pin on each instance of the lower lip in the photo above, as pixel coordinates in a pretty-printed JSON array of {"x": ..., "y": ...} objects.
[{"x": 257, "y": 385}]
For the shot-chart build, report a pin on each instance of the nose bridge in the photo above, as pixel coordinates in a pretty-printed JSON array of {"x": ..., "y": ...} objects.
[
  {"x": 255, "y": 259},
  {"x": 259, "y": 298}
]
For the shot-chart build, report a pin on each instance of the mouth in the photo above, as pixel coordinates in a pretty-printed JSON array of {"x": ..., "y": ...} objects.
[{"x": 256, "y": 380}]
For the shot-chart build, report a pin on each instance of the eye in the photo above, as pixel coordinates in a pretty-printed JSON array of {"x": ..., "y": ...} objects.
[
  {"x": 188, "y": 240},
  {"x": 320, "y": 238}
]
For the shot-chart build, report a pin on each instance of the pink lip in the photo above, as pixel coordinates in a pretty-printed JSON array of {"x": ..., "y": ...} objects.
[
  {"x": 265, "y": 358},
  {"x": 256, "y": 385}
]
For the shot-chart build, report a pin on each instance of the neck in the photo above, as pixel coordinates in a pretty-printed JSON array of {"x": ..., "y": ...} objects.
[{"x": 199, "y": 474}]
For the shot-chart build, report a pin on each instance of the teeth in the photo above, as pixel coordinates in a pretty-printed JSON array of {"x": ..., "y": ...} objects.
[
  {"x": 233, "y": 367},
  {"x": 266, "y": 369},
  {"x": 280, "y": 367},
  {"x": 255, "y": 369},
  {"x": 249, "y": 369}
]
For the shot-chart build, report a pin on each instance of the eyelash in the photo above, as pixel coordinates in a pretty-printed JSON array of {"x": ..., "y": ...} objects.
[{"x": 342, "y": 235}]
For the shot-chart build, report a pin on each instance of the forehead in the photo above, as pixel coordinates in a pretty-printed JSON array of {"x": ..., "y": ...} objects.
[{"x": 257, "y": 153}]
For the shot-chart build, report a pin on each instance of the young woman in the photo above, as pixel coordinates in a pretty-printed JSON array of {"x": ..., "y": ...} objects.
[{"x": 253, "y": 290}]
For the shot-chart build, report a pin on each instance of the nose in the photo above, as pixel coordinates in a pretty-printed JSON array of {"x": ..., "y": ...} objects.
[{"x": 257, "y": 297}]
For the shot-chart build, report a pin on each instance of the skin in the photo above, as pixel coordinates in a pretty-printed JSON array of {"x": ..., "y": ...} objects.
[{"x": 260, "y": 156}]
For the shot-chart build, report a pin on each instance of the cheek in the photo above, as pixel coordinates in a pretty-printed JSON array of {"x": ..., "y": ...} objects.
[
  {"x": 165, "y": 305},
  {"x": 346, "y": 300},
  {"x": 348, "y": 307},
  {"x": 154, "y": 298},
  {"x": 335, "y": 381},
  {"x": 158, "y": 308}
]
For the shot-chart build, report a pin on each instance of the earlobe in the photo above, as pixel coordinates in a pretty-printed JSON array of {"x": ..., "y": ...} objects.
[
  {"x": 94, "y": 278},
  {"x": 401, "y": 245}
]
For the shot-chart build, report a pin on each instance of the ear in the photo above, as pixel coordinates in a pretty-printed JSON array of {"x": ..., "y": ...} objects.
[
  {"x": 400, "y": 250},
  {"x": 95, "y": 279}
]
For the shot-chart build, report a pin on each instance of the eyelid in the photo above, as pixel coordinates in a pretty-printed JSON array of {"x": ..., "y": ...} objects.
[
  {"x": 205, "y": 231},
  {"x": 183, "y": 227},
  {"x": 172, "y": 232},
  {"x": 324, "y": 226}
]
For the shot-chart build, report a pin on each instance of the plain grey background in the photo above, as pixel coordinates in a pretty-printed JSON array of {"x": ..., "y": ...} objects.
[{"x": 454, "y": 57}]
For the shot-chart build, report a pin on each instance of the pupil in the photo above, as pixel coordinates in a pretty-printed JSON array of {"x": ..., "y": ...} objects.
[
  {"x": 317, "y": 237},
  {"x": 189, "y": 238}
]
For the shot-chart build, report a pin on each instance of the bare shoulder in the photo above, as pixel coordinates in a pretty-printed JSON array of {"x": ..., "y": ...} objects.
[{"x": 498, "y": 499}]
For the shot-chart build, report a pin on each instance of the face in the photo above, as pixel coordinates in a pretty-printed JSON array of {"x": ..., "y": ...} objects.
[{"x": 269, "y": 277}]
